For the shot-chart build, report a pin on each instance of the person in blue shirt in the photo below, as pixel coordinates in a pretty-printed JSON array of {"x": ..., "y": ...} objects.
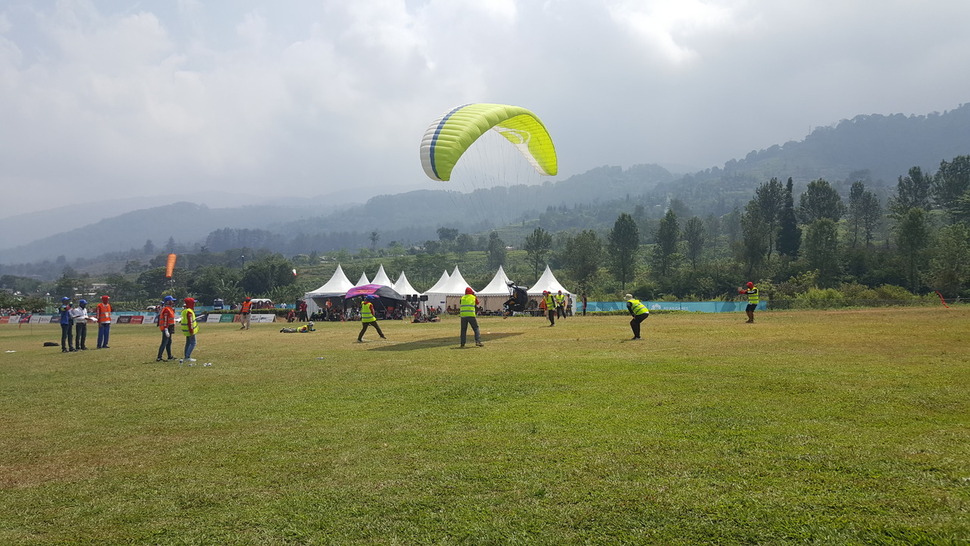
[{"x": 67, "y": 337}]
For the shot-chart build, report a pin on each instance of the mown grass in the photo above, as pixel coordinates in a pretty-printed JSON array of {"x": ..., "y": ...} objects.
[{"x": 839, "y": 427}]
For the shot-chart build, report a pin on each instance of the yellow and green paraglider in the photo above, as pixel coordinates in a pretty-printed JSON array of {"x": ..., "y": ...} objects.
[{"x": 448, "y": 137}]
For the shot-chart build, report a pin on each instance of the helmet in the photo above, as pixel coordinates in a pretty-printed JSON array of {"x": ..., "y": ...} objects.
[
  {"x": 311, "y": 324},
  {"x": 168, "y": 298},
  {"x": 750, "y": 284},
  {"x": 190, "y": 302},
  {"x": 83, "y": 302},
  {"x": 469, "y": 290},
  {"x": 629, "y": 296},
  {"x": 65, "y": 298},
  {"x": 105, "y": 299},
  {"x": 247, "y": 298}
]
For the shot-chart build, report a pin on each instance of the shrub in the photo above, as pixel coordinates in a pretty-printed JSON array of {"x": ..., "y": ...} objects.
[{"x": 821, "y": 298}]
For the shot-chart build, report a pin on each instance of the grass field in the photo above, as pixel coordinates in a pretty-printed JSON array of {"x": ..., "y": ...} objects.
[{"x": 837, "y": 427}]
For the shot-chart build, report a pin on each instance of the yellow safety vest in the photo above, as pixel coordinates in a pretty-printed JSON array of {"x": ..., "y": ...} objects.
[
  {"x": 560, "y": 299},
  {"x": 367, "y": 312},
  {"x": 638, "y": 307},
  {"x": 468, "y": 305},
  {"x": 550, "y": 302},
  {"x": 188, "y": 318},
  {"x": 753, "y": 298}
]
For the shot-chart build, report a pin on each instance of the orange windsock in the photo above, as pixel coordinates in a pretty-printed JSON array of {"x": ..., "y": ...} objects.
[{"x": 170, "y": 266}]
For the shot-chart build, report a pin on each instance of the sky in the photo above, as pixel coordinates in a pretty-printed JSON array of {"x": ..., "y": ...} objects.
[{"x": 112, "y": 99}]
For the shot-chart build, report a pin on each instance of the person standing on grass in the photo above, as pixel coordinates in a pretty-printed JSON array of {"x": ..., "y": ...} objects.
[
  {"x": 467, "y": 310},
  {"x": 753, "y": 299},
  {"x": 166, "y": 323},
  {"x": 368, "y": 318},
  {"x": 67, "y": 338},
  {"x": 560, "y": 305},
  {"x": 550, "y": 302},
  {"x": 639, "y": 312},
  {"x": 190, "y": 328},
  {"x": 104, "y": 322},
  {"x": 79, "y": 315},
  {"x": 244, "y": 312}
]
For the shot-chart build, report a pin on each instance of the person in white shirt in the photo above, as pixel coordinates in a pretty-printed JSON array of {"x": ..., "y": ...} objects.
[{"x": 80, "y": 318}]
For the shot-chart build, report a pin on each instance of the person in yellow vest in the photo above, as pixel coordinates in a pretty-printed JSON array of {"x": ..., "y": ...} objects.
[
  {"x": 367, "y": 318},
  {"x": 467, "y": 310},
  {"x": 560, "y": 305},
  {"x": 190, "y": 328},
  {"x": 753, "y": 299},
  {"x": 244, "y": 310},
  {"x": 639, "y": 312},
  {"x": 104, "y": 322},
  {"x": 550, "y": 302}
]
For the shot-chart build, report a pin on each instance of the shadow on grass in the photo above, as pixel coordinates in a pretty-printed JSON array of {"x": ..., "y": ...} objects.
[{"x": 439, "y": 342}]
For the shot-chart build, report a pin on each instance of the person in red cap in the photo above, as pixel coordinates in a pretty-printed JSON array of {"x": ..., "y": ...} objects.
[
  {"x": 467, "y": 309},
  {"x": 753, "y": 299},
  {"x": 190, "y": 328},
  {"x": 104, "y": 322}
]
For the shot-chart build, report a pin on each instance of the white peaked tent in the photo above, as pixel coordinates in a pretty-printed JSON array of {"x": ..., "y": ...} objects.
[
  {"x": 362, "y": 280},
  {"x": 441, "y": 282},
  {"x": 403, "y": 287},
  {"x": 495, "y": 293},
  {"x": 337, "y": 286},
  {"x": 455, "y": 285},
  {"x": 382, "y": 278},
  {"x": 547, "y": 281}
]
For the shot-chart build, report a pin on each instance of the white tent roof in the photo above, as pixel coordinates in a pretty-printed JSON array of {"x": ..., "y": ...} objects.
[
  {"x": 499, "y": 285},
  {"x": 547, "y": 281},
  {"x": 382, "y": 278},
  {"x": 403, "y": 287},
  {"x": 441, "y": 282},
  {"x": 362, "y": 280},
  {"x": 338, "y": 285},
  {"x": 456, "y": 284}
]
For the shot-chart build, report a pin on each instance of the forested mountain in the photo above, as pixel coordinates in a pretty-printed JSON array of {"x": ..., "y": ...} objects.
[{"x": 875, "y": 149}]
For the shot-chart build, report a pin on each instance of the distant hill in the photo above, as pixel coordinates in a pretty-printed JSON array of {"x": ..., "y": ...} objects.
[{"x": 876, "y": 149}]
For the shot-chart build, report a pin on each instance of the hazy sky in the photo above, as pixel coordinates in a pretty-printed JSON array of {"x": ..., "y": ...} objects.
[{"x": 115, "y": 98}]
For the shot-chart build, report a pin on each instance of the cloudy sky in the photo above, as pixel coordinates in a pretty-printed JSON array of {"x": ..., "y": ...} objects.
[{"x": 116, "y": 98}]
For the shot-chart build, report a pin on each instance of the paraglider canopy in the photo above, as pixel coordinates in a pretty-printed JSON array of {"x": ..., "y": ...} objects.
[
  {"x": 448, "y": 137},
  {"x": 375, "y": 290}
]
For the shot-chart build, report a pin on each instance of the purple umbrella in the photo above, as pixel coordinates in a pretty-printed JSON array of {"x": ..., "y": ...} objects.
[{"x": 377, "y": 290}]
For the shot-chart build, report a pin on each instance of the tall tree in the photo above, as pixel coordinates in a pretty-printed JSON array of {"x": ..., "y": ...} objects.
[
  {"x": 912, "y": 238},
  {"x": 537, "y": 246},
  {"x": 949, "y": 267},
  {"x": 871, "y": 216},
  {"x": 912, "y": 191},
  {"x": 951, "y": 182},
  {"x": 496, "y": 250},
  {"x": 770, "y": 198},
  {"x": 753, "y": 246},
  {"x": 582, "y": 255},
  {"x": 668, "y": 233},
  {"x": 821, "y": 250},
  {"x": 694, "y": 236},
  {"x": 820, "y": 200},
  {"x": 856, "y": 194},
  {"x": 624, "y": 241},
  {"x": 266, "y": 273},
  {"x": 789, "y": 234}
]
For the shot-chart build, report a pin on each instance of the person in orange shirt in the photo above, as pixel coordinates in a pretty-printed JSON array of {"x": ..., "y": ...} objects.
[
  {"x": 244, "y": 312},
  {"x": 166, "y": 323},
  {"x": 104, "y": 322}
]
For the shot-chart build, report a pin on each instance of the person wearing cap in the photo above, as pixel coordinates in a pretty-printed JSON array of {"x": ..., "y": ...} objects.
[
  {"x": 560, "y": 304},
  {"x": 166, "y": 323},
  {"x": 467, "y": 309},
  {"x": 67, "y": 338},
  {"x": 190, "y": 328},
  {"x": 753, "y": 299},
  {"x": 79, "y": 315},
  {"x": 550, "y": 302},
  {"x": 244, "y": 311},
  {"x": 367, "y": 318},
  {"x": 104, "y": 322},
  {"x": 639, "y": 312}
]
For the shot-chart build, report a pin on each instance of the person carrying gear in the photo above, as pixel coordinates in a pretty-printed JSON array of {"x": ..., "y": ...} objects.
[
  {"x": 166, "y": 323},
  {"x": 639, "y": 312},
  {"x": 753, "y": 299},
  {"x": 560, "y": 305},
  {"x": 300, "y": 330},
  {"x": 550, "y": 302},
  {"x": 244, "y": 311},
  {"x": 190, "y": 328},
  {"x": 467, "y": 310},
  {"x": 104, "y": 322},
  {"x": 367, "y": 318}
]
